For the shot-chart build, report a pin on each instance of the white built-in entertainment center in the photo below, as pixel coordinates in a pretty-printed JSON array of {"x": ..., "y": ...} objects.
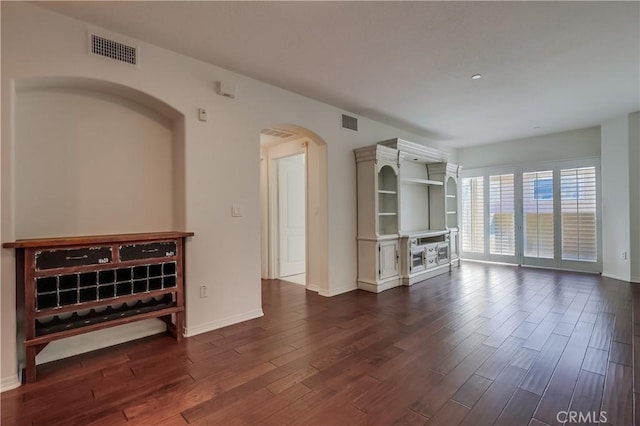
[{"x": 407, "y": 214}]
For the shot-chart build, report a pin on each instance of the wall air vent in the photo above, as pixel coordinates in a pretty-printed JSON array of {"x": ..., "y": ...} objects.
[
  {"x": 112, "y": 49},
  {"x": 350, "y": 123}
]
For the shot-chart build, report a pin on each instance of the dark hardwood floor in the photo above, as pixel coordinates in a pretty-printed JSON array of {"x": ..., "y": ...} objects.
[{"x": 482, "y": 345}]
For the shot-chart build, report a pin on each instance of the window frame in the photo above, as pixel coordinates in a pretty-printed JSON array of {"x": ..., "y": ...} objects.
[
  {"x": 536, "y": 260},
  {"x": 462, "y": 217},
  {"x": 491, "y": 228}
]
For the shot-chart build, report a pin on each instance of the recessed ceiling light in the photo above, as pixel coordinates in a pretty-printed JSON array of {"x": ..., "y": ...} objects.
[{"x": 475, "y": 76}]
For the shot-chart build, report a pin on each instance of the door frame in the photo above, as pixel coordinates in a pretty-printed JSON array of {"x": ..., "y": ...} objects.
[
  {"x": 550, "y": 263},
  {"x": 274, "y": 232}
]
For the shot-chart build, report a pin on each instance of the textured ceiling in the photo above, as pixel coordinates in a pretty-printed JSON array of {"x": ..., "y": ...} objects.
[{"x": 546, "y": 66}]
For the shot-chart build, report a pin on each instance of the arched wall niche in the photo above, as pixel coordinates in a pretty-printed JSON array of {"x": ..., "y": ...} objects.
[
  {"x": 95, "y": 157},
  {"x": 100, "y": 86}
]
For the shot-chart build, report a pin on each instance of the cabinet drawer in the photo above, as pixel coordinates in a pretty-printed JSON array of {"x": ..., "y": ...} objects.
[
  {"x": 51, "y": 259},
  {"x": 147, "y": 250},
  {"x": 432, "y": 249}
]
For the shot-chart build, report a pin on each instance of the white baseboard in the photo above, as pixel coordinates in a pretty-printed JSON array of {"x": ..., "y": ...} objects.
[
  {"x": 313, "y": 287},
  {"x": 615, "y": 277},
  {"x": 8, "y": 383},
  {"x": 380, "y": 287},
  {"x": 635, "y": 279},
  {"x": 337, "y": 291},
  {"x": 224, "y": 322}
]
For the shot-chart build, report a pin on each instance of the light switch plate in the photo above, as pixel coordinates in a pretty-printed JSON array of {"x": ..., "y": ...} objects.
[{"x": 237, "y": 210}]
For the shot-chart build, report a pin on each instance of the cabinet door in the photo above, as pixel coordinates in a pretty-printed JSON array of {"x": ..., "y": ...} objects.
[
  {"x": 388, "y": 259},
  {"x": 443, "y": 253},
  {"x": 418, "y": 260}
]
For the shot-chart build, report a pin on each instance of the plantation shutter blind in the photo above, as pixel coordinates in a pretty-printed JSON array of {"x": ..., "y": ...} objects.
[
  {"x": 473, "y": 214},
  {"x": 579, "y": 226},
  {"x": 502, "y": 214},
  {"x": 537, "y": 212}
]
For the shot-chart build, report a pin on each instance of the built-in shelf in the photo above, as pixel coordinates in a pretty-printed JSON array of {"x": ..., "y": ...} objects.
[
  {"x": 421, "y": 181},
  {"x": 451, "y": 196},
  {"x": 403, "y": 190},
  {"x": 454, "y": 212}
]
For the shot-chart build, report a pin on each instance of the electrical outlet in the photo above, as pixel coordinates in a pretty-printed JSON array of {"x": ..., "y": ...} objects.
[
  {"x": 623, "y": 255},
  {"x": 203, "y": 291}
]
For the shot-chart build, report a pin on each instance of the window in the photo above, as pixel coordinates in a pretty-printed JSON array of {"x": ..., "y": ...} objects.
[
  {"x": 537, "y": 214},
  {"x": 473, "y": 214},
  {"x": 502, "y": 215},
  {"x": 579, "y": 221},
  {"x": 542, "y": 187}
]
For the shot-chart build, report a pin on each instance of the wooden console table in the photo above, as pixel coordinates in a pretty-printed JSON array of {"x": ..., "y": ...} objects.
[{"x": 70, "y": 286}]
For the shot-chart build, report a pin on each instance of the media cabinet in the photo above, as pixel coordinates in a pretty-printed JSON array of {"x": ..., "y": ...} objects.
[{"x": 407, "y": 214}]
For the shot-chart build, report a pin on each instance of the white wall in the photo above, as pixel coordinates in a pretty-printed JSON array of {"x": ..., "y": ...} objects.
[
  {"x": 221, "y": 159},
  {"x": 90, "y": 163},
  {"x": 557, "y": 146},
  {"x": 615, "y": 198}
]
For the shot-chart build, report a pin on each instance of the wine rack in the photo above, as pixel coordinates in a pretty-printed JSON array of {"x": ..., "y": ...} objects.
[
  {"x": 70, "y": 286},
  {"x": 57, "y": 291}
]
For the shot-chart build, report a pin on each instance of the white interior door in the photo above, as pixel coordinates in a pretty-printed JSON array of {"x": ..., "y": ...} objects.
[{"x": 291, "y": 215}]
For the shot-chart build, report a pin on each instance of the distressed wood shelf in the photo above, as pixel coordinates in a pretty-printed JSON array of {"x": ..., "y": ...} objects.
[{"x": 72, "y": 285}]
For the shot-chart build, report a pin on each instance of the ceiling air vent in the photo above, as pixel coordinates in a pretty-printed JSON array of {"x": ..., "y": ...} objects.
[
  {"x": 350, "y": 123},
  {"x": 112, "y": 49},
  {"x": 278, "y": 133}
]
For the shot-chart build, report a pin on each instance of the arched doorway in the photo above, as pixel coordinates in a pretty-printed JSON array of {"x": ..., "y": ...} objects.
[{"x": 284, "y": 149}]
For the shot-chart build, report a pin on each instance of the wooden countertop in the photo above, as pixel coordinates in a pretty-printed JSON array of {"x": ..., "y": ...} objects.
[{"x": 95, "y": 239}]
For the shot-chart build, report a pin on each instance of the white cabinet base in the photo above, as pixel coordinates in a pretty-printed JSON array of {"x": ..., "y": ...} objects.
[
  {"x": 378, "y": 264},
  {"x": 379, "y": 286},
  {"x": 425, "y": 275}
]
